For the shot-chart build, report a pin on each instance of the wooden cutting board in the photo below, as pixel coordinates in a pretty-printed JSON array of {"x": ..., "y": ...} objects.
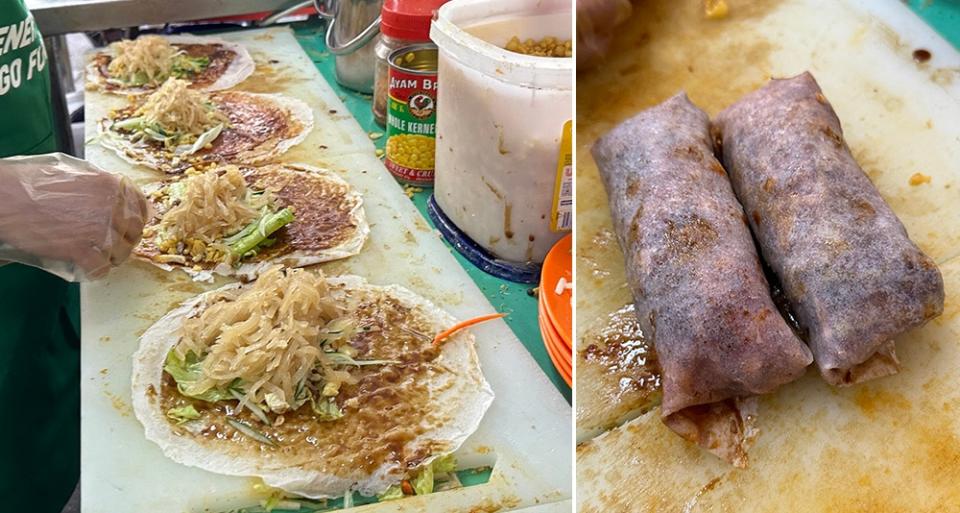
[
  {"x": 889, "y": 445},
  {"x": 524, "y": 436}
]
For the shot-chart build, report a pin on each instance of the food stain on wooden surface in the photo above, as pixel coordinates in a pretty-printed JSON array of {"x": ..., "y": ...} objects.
[
  {"x": 619, "y": 373},
  {"x": 270, "y": 76},
  {"x": 820, "y": 448}
]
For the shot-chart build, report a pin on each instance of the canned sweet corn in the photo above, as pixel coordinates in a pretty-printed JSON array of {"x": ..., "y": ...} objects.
[{"x": 411, "y": 114}]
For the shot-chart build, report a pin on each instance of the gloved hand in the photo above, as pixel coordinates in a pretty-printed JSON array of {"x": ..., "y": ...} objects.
[
  {"x": 596, "y": 20},
  {"x": 67, "y": 216}
]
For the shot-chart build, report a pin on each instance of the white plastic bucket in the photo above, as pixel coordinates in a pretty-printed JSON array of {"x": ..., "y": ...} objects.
[{"x": 500, "y": 118}]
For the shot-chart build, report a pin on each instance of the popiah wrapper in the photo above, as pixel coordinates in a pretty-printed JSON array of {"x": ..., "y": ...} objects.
[
  {"x": 695, "y": 275},
  {"x": 850, "y": 272}
]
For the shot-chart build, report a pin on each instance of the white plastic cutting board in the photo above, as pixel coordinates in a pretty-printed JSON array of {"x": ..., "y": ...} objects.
[
  {"x": 889, "y": 445},
  {"x": 525, "y": 435}
]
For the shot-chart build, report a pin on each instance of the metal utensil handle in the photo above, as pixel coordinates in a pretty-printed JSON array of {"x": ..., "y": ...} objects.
[
  {"x": 325, "y": 8},
  {"x": 282, "y": 13}
]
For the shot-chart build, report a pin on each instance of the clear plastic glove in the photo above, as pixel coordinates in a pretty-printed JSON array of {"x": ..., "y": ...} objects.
[
  {"x": 596, "y": 21},
  {"x": 67, "y": 216}
]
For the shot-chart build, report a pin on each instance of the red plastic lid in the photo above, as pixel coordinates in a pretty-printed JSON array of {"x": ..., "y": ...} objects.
[{"x": 408, "y": 19}]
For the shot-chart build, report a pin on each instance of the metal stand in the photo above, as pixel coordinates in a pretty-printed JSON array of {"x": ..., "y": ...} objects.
[{"x": 60, "y": 79}]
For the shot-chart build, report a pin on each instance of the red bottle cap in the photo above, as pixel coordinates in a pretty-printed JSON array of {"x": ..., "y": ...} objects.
[{"x": 408, "y": 19}]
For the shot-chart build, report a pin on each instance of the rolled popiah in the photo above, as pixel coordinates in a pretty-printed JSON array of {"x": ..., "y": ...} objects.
[
  {"x": 695, "y": 275},
  {"x": 851, "y": 274}
]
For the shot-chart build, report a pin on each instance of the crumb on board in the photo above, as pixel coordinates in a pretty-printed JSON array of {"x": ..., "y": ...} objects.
[
  {"x": 379, "y": 153},
  {"x": 118, "y": 404},
  {"x": 919, "y": 179},
  {"x": 410, "y": 190},
  {"x": 375, "y": 135},
  {"x": 533, "y": 292},
  {"x": 716, "y": 9}
]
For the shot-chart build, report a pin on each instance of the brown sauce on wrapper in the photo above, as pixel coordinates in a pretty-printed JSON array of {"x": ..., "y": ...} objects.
[
  {"x": 688, "y": 236},
  {"x": 220, "y": 60},
  {"x": 384, "y": 411},
  {"x": 321, "y": 208},
  {"x": 253, "y": 122}
]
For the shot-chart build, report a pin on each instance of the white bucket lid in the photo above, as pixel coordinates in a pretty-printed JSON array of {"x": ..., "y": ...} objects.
[{"x": 491, "y": 60}]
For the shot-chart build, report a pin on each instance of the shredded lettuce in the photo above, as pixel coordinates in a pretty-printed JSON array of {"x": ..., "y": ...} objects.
[
  {"x": 175, "y": 190},
  {"x": 444, "y": 464},
  {"x": 183, "y": 414},
  {"x": 202, "y": 140},
  {"x": 185, "y": 66},
  {"x": 423, "y": 481},
  {"x": 326, "y": 409},
  {"x": 140, "y": 130},
  {"x": 137, "y": 79},
  {"x": 188, "y": 371},
  {"x": 392, "y": 493},
  {"x": 272, "y": 502},
  {"x": 277, "y": 500},
  {"x": 337, "y": 330}
]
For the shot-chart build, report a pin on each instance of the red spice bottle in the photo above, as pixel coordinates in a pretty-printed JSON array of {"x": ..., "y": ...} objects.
[{"x": 402, "y": 23}]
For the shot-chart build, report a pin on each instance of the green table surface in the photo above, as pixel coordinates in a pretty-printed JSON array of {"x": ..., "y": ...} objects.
[
  {"x": 942, "y": 15},
  {"x": 506, "y": 296}
]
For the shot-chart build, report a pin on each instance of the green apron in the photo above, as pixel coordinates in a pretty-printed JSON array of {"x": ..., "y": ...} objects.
[{"x": 39, "y": 313}]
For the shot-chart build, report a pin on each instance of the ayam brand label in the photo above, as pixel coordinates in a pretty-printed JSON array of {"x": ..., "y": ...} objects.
[
  {"x": 419, "y": 82},
  {"x": 411, "y": 126},
  {"x": 414, "y": 127}
]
